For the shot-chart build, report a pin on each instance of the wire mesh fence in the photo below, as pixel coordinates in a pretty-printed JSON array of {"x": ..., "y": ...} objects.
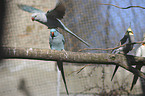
[{"x": 101, "y": 26}]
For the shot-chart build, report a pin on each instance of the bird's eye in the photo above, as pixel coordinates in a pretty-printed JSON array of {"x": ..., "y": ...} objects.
[{"x": 130, "y": 32}]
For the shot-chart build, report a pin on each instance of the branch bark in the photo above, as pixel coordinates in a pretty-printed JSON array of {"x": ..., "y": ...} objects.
[{"x": 125, "y": 61}]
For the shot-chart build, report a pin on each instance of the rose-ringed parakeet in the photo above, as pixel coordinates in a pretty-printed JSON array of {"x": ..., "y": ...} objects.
[
  {"x": 128, "y": 38},
  {"x": 141, "y": 53},
  {"x": 51, "y": 19},
  {"x": 56, "y": 41}
]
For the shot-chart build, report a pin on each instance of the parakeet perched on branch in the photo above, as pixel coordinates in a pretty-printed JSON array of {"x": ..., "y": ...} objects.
[
  {"x": 141, "y": 53},
  {"x": 56, "y": 41},
  {"x": 128, "y": 38}
]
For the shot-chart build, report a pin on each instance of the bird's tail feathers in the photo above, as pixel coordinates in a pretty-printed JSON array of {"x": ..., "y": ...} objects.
[
  {"x": 60, "y": 66},
  {"x": 114, "y": 72},
  {"x": 134, "y": 82},
  {"x": 135, "y": 77},
  {"x": 66, "y": 29}
]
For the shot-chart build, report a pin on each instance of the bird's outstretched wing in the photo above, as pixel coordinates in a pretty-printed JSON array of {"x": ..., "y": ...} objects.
[
  {"x": 57, "y": 12},
  {"x": 29, "y": 9}
]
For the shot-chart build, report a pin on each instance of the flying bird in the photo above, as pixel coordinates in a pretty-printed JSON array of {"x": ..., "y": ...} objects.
[
  {"x": 50, "y": 18},
  {"x": 56, "y": 42},
  {"x": 128, "y": 38},
  {"x": 141, "y": 53}
]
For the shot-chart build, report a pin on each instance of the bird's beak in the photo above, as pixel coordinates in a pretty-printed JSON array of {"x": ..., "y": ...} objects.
[
  {"x": 52, "y": 34},
  {"x": 131, "y": 33},
  {"x": 32, "y": 18}
]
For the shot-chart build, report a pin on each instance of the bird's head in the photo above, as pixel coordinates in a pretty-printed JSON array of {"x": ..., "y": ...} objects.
[
  {"x": 35, "y": 17},
  {"x": 40, "y": 17},
  {"x": 129, "y": 31},
  {"x": 53, "y": 32}
]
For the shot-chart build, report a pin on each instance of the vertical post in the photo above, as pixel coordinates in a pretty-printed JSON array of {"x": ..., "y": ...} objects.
[{"x": 2, "y": 15}]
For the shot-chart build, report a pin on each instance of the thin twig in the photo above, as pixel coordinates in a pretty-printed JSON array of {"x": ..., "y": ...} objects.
[
  {"x": 139, "y": 42},
  {"x": 122, "y": 7},
  {"x": 79, "y": 70}
]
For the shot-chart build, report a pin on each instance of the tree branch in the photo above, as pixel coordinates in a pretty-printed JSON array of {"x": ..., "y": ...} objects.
[
  {"x": 139, "y": 42},
  {"x": 125, "y": 61},
  {"x": 122, "y": 7}
]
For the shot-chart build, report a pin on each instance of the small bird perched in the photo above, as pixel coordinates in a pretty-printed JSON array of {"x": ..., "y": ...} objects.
[
  {"x": 51, "y": 19},
  {"x": 56, "y": 41},
  {"x": 128, "y": 38},
  {"x": 141, "y": 53}
]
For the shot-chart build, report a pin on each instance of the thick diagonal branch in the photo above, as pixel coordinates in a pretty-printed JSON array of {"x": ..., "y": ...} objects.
[{"x": 125, "y": 61}]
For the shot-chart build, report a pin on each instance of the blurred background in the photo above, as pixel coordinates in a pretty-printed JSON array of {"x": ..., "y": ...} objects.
[{"x": 100, "y": 25}]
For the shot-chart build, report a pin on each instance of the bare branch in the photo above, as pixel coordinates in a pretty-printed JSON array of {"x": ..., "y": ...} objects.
[
  {"x": 139, "y": 42},
  {"x": 125, "y": 61},
  {"x": 122, "y": 7}
]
